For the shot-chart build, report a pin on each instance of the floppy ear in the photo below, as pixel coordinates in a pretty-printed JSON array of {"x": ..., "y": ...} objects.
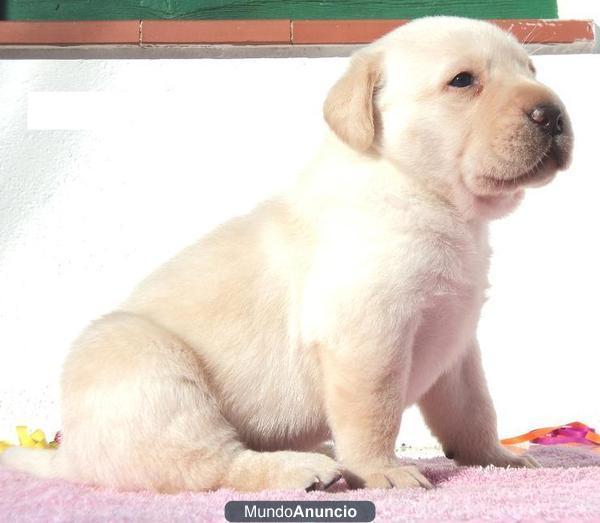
[{"x": 348, "y": 108}]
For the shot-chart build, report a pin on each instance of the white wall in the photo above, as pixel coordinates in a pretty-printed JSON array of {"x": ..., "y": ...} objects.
[
  {"x": 86, "y": 213},
  {"x": 579, "y": 9}
]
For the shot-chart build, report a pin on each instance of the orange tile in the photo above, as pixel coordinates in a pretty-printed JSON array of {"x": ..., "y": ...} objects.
[
  {"x": 365, "y": 31},
  {"x": 254, "y": 32},
  {"x": 549, "y": 31},
  {"x": 216, "y": 32},
  {"x": 341, "y": 31},
  {"x": 69, "y": 33}
]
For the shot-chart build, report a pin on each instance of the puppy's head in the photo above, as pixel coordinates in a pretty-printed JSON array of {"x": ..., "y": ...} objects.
[{"x": 454, "y": 102}]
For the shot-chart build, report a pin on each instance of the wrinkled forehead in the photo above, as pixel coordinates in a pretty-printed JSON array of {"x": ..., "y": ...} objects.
[{"x": 431, "y": 48}]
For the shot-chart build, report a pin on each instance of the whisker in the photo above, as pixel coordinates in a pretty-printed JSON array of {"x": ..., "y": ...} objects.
[
  {"x": 527, "y": 40},
  {"x": 539, "y": 48}
]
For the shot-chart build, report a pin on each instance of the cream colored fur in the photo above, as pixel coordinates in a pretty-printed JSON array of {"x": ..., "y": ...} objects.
[{"x": 328, "y": 310}]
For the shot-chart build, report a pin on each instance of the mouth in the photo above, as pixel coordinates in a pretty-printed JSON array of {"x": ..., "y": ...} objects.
[{"x": 551, "y": 161}]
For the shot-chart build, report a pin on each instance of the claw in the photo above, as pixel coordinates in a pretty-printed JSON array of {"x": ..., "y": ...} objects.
[
  {"x": 423, "y": 481},
  {"x": 314, "y": 486}
]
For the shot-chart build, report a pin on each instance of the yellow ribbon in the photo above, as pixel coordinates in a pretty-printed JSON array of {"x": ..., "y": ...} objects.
[{"x": 35, "y": 439}]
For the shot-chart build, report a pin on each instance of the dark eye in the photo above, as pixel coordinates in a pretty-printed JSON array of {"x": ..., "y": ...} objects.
[{"x": 462, "y": 80}]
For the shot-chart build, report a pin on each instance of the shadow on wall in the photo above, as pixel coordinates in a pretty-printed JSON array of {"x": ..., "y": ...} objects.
[{"x": 2, "y": 9}]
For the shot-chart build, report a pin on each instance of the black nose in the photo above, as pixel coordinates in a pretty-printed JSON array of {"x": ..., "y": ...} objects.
[{"x": 548, "y": 117}]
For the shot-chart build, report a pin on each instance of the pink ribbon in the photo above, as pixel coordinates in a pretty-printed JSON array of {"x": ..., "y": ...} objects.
[
  {"x": 571, "y": 433},
  {"x": 567, "y": 434}
]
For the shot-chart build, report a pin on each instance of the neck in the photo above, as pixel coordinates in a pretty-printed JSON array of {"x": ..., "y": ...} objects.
[
  {"x": 338, "y": 174},
  {"x": 484, "y": 208}
]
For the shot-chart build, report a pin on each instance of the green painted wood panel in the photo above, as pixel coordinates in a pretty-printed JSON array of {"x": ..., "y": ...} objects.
[{"x": 270, "y": 9}]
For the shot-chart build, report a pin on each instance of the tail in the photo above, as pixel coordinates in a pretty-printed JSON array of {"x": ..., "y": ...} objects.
[{"x": 44, "y": 463}]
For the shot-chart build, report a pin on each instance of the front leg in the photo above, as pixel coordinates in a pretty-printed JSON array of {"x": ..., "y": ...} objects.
[
  {"x": 365, "y": 379},
  {"x": 460, "y": 413}
]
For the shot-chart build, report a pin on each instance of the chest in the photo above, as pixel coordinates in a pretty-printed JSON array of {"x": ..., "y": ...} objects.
[
  {"x": 454, "y": 276},
  {"x": 446, "y": 329},
  {"x": 382, "y": 277}
]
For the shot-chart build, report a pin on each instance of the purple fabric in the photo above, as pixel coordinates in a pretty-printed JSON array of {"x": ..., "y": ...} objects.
[{"x": 552, "y": 493}]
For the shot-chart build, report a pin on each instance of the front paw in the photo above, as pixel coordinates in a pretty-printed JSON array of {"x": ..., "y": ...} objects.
[
  {"x": 514, "y": 461},
  {"x": 386, "y": 477},
  {"x": 500, "y": 457}
]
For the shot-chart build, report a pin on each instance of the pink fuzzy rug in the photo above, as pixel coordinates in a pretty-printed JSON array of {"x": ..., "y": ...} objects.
[{"x": 567, "y": 489}]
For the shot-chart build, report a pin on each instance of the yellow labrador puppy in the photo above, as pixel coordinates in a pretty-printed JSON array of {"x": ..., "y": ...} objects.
[{"x": 328, "y": 310}]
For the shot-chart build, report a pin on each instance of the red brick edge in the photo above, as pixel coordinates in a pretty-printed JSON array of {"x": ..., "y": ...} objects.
[
  {"x": 256, "y": 32},
  {"x": 363, "y": 31}
]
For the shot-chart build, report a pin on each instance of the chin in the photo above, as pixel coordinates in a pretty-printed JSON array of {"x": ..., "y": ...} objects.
[
  {"x": 496, "y": 196},
  {"x": 542, "y": 173},
  {"x": 498, "y": 184}
]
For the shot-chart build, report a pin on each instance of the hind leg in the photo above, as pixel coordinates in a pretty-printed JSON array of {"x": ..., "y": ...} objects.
[{"x": 139, "y": 414}]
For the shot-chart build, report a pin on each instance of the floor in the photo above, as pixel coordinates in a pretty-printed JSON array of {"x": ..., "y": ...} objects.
[{"x": 566, "y": 489}]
